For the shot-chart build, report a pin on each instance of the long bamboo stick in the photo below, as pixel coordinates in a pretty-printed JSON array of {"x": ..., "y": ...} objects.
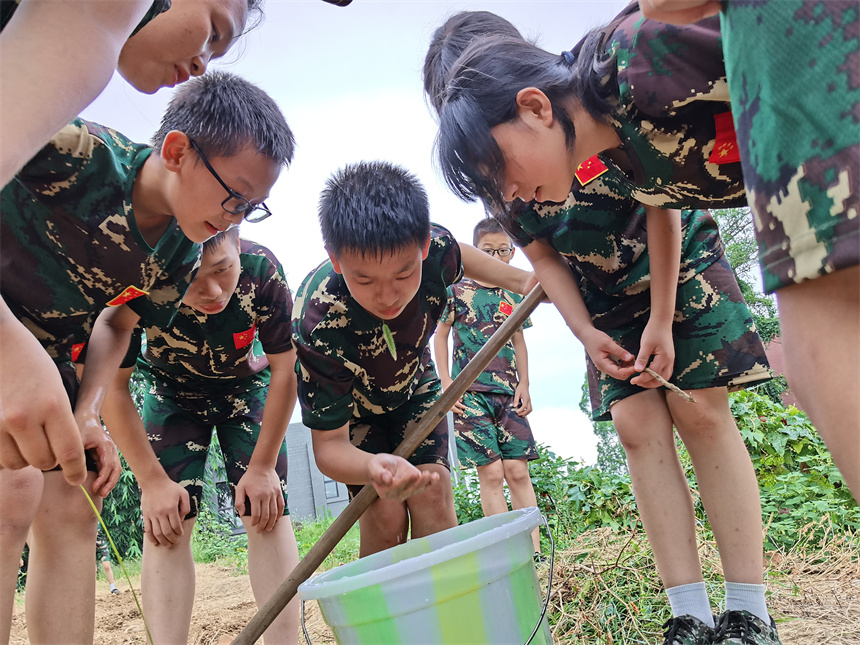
[{"x": 415, "y": 434}]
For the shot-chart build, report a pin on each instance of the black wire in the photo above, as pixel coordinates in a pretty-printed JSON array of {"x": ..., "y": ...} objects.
[{"x": 305, "y": 629}]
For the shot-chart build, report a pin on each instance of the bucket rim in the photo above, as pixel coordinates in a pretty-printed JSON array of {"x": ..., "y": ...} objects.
[{"x": 500, "y": 527}]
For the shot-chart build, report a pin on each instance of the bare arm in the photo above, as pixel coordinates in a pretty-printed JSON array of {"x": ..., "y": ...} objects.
[
  {"x": 443, "y": 367},
  {"x": 393, "y": 477},
  {"x": 57, "y": 57},
  {"x": 679, "y": 12},
  {"x": 163, "y": 503},
  {"x": 557, "y": 280},
  {"x": 37, "y": 426},
  {"x": 479, "y": 266},
  {"x": 260, "y": 482},
  {"x": 522, "y": 397},
  {"x": 664, "y": 252}
]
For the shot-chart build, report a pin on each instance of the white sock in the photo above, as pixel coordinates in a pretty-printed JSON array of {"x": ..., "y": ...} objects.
[
  {"x": 112, "y": 587},
  {"x": 743, "y": 596},
  {"x": 691, "y": 599}
]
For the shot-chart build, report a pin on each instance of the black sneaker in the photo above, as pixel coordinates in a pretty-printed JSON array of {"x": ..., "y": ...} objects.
[
  {"x": 540, "y": 558},
  {"x": 115, "y": 590},
  {"x": 686, "y": 630},
  {"x": 744, "y": 628}
]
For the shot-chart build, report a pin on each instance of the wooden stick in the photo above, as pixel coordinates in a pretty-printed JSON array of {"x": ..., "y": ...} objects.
[
  {"x": 667, "y": 384},
  {"x": 415, "y": 434}
]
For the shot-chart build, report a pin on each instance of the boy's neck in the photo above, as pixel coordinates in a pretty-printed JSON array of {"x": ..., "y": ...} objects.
[{"x": 152, "y": 212}]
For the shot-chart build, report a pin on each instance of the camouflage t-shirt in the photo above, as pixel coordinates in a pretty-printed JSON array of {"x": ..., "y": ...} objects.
[
  {"x": 216, "y": 353},
  {"x": 673, "y": 114},
  {"x": 70, "y": 244},
  {"x": 475, "y": 312},
  {"x": 8, "y": 7},
  {"x": 604, "y": 239},
  {"x": 345, "y": 368}
]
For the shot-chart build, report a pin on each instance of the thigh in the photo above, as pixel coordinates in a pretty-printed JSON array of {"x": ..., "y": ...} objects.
[
  {"x": 180, "y": 440},
  {"x": 476, "y": 432},
  {"x": 238, "y": 432},
  {"x": 796, "y": 123}
]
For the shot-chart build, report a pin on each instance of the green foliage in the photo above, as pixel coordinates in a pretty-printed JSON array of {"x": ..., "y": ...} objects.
[
  {"x": 213, "y": 540},
  {"x": 309, "y": 532},
  {"x": 610, "y": 453},
  {"x": 121, "y": 513}
]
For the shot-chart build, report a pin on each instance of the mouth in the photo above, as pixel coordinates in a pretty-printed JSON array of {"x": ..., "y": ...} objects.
[
  {"x": 213, "y": 230},
  {"x": 389, "y": 313}
]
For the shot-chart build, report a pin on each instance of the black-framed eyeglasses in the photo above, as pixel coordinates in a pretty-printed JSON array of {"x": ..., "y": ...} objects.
[
  {"x": 251, "y": 212},
  {"x": 503, "y": 253}
]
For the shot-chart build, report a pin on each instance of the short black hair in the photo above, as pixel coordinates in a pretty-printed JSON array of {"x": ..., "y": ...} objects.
[
  {"x": 449, "y": 41},
  {"x": 373, "y": 208},
  {"x": 223, "y": 113},
  {"x": 486, "y": 226},
  {"x": 220, "y": 237}
]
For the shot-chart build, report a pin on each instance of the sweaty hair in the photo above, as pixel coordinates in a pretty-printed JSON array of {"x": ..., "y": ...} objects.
[
  {"x": 373, "y": 208},
  {"x": 481, "y": 93},
  {"x": 485, "y": 227},
  {"x": 223, "y": 113},
  {"x": 450, "y": 40},
  {"x": 231, "y": 234}
]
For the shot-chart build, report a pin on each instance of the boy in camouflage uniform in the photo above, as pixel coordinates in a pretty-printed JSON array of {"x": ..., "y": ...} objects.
[
  {"x": 226, "y": 362},
  {"x": 493, "y": 434},
  {"x": 95, "y": 221},
  {"x": 103, "y": 555},
  {"x": 361, "y": 324}
]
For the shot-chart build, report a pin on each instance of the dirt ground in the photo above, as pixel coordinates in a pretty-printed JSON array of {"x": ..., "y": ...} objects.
[{"x": 813, "y": 604}]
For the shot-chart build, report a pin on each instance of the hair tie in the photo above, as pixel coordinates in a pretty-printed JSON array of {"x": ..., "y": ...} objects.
[{"x": 569, "y": 57}]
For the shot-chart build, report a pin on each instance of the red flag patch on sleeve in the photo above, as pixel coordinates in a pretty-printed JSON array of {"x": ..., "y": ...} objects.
[
  {"x": 589, "y": 170},
  {"x": 506, "y": 308},
  {"x": 128, "y": 294},
  {"x": 77, "y": 348},
  {"x": 725, "y": 142},
  {"x": 244, "y": 338}
]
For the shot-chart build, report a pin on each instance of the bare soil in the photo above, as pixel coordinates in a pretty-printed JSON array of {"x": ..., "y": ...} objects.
[{"x": 814, "y": 604}]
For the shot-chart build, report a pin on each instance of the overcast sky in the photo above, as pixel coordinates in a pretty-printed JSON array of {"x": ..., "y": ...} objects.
[{"x": 348, "y": 81}]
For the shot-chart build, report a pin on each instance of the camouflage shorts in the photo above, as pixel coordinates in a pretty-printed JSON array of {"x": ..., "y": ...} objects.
[
  {"x": 716, "y": 344},
  {"x": 180, "y": 431},
  {"x": 384, "y": 432},
  {"x": 797, "y": 117},
  {"x": 490, "y": 430}
]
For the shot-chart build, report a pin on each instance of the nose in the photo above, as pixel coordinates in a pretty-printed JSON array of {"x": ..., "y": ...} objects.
[
  {"x": 386, "y": 295},
  {"x": 200, "y": 63},
  {"x": 510, "y": 192},
  {"x": 207, "y": 289}
]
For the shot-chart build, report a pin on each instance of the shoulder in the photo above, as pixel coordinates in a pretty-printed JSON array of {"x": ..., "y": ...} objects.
[
  {"x": 443, "y": 256},
  {"x": 259, "y": 258},
  {"x": 321, "y": 295}
]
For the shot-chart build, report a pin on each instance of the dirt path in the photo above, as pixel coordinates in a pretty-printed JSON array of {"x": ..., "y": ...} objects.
[{"x": 815, "y": 605}]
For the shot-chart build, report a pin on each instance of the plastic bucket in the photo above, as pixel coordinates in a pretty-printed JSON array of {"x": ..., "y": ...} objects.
[{"x": 474, "y": 583}]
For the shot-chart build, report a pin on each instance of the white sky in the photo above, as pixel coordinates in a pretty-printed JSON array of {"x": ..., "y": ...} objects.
[{"x": 348, "y": 81}]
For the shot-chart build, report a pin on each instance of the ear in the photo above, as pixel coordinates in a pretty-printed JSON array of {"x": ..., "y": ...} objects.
[
  {"x": 425, "y": 250},
  {"x": 334, "y": 263},
  {"x": 175, "y": 150},
  {"x": 532, "y": 103}
]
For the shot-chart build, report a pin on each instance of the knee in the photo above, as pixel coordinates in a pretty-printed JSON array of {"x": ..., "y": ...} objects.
[
  {"x": 492, "y": 475},
  {"x": 517, "y": 473},
  {"x": 704, "y": 423}
]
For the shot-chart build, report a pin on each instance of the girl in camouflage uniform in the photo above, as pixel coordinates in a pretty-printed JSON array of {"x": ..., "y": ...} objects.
[{"x": 618, "y": 299}]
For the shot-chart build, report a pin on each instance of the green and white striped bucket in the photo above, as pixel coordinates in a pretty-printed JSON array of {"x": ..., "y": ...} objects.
[{"x": 474, "y": 583}]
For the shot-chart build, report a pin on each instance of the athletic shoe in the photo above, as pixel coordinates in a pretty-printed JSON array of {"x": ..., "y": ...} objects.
[
  {"x": 686, "y": 630},
  {"x": 744, "y": 628},
  {"x": 540, "y": 558},
  {"x": 115, "y": 590}
]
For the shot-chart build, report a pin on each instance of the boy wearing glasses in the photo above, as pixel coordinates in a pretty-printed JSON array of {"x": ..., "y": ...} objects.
[
  {"x": 225, "y": 363},
  {"x": 493, "y": 434},
  {"x": 97, "y": 222}
]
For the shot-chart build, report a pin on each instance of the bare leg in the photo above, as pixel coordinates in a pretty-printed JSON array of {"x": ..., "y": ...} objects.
[
  {"x": 727, "y": 481},
  {"x": 384, "y": 525},
  {"x": 20, "y": 492},
  {"x": 167, "y": 587},
  {"x": 432, "y": 510},
  {"x": 522, "y": 492},
  {"x": 61, "y": 587},
  {"x": 271, "y": 557},
  {"x": 662, "y": 493},
  {"x": 491, "y": 479},
  {"x": 820, "y": 322},
  {"x": 108, "y": 572}
]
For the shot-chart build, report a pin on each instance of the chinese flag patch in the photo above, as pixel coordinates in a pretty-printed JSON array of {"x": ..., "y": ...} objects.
[
  {"x": 725, "y": 142},
  {"x": 589, "y": 170},
  {"x": 244, "y": 338},
  {"x": 77, "y": 348},
  {"x": 128, "y": 294},
  {"x": 506, "y": 308}
]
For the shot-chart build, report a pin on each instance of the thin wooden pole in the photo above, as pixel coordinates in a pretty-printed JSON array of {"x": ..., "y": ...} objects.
[{"x": 415, "y": 434}]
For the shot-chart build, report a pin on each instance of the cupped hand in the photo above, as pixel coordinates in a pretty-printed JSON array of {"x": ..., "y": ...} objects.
[{"x": 395, "y": 478}]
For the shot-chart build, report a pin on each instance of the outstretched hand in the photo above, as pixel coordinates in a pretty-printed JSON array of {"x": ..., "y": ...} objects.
[{"x": 395, "y": 478}]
